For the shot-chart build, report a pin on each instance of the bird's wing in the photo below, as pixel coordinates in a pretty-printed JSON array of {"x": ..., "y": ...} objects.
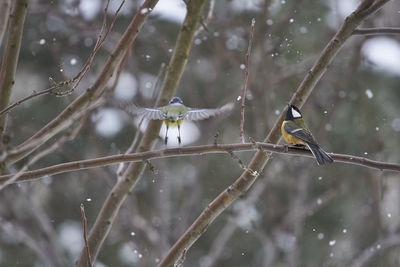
[
  {"x": 195, "y": 114},
  {"x": 302, "y": 133},
  {"x": 149, "y": 113}
]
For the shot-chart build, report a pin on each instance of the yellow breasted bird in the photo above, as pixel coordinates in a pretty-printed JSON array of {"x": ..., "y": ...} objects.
[
  {"x": 295, "y": 132},
  {"x": 175, "y": 112}
]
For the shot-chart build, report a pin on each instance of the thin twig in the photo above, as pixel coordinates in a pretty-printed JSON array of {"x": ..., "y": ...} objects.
[
  {"x": 121, "y": 166},
  {"x": 71, "y": 135},
  {"x": 204, "y": 22},
  {"x": 75, "y": 109},
  {"x": 195, "y": 150},
  {"x": 77, "y": 79},
  {"x": 311, "y": 208},
  {"x": 121, "y": 66},
  {"x": 35, "y": 94},
  {"x": 377, "y": 31},
  {"x": 84, "y": 222},
  {"x": 157, "y": 81},
  {"x": 241, "y": 164},
  {"x": 246, "y": 78}
]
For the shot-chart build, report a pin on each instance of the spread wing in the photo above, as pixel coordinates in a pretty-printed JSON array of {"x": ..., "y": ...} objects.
[
  {"x": 195, "y": 114},
  {"x": 299, "y": 132},
  {"x": 149, "y": 113}
]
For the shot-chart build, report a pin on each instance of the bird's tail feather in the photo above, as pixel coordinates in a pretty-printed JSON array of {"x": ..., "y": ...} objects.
[{"x": 320, "y": 155}]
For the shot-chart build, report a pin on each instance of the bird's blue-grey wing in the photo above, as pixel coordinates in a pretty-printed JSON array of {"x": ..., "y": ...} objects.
[
  {"x": 195, "y": 114},
  {"x": 299, "y": 132},
  {"x": 148, "y": 113}
]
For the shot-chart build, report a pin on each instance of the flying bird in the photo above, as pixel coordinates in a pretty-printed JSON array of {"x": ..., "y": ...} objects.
[{"x": 175, "y": 112}]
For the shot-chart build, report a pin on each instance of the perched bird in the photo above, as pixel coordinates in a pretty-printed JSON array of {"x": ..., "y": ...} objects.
[
  {"x": 175, "y": 112},
  {"x": 295, "y": 131}
]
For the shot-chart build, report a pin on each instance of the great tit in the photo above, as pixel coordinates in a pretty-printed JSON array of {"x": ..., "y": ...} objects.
[
  {"x": 175, "y": 112},
  {"x": 295, "y": 131}
]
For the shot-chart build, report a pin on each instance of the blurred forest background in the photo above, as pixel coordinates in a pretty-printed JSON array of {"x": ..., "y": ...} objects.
[{"x": 296, "y": 214}]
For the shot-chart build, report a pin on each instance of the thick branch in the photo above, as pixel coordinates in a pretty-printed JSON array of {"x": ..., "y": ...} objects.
[
  {"x": 134, "y": 171},
  {"x": 193, "y": 150},
  {"x": 4, "y": 12},
  {"x": 260, "y": 159},
  {"x": 377, "y": 31},
  {"x": 11, "y": 55}
]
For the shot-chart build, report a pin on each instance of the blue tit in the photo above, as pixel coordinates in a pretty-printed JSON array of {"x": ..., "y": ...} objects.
[
  {"x": 175, "y": 112},
  {"x": 295, "y": 131}
]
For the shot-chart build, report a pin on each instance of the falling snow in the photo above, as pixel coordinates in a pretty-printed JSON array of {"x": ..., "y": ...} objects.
[{"x": 369, "y": 93}]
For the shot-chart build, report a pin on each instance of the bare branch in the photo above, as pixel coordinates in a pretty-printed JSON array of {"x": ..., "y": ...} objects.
[
  {"x": 196, "y": 150},
  {"x": 11, "y": 55},
  {"x": 377, "y": 31},
  {"x": 4, "y": 12},
  {"x": 35, "y": 94},
  {"x": 246, "y": 78},
  {"x": 121, "y": 167},
  {"x": 157, "y": 81},
  {"x": 204, "y": 22},
  {"x": 84, "y": 222}
]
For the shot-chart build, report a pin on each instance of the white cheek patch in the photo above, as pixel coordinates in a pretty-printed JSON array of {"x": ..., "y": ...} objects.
[{"x": 295, "y": 114}]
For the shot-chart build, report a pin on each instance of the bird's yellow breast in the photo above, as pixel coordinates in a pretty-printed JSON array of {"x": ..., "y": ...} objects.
[
  {"x": 169, "y": 122},
  {"x": 290, "y": 139}
]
